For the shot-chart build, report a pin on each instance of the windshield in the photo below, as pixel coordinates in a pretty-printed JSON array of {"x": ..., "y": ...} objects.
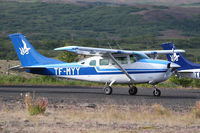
[{"x": 137, "y": 56}]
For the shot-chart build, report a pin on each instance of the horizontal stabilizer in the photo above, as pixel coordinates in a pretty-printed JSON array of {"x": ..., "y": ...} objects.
[{"x": 21, "y": 68}]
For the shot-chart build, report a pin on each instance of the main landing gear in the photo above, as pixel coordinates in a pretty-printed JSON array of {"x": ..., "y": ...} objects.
[
  {"x": 132, "y": 90},
  {"x": 108, "y": 89},
  {"x": 156, "y": 92}
]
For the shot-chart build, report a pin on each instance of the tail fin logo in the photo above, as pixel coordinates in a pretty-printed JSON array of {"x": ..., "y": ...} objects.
[
  {"x": 24, "y": 50},
  {"x": 174, "y": 57}
]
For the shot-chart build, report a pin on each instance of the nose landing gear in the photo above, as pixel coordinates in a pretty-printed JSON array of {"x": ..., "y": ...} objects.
[
  {"x": 108, "y": 89},
  {"x": 156, "y": 92}
]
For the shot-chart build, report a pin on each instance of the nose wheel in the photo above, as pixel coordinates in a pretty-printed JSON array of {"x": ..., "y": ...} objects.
[
  {"x": 132, "y": 90},
  {"x": 156, "y": 92}
]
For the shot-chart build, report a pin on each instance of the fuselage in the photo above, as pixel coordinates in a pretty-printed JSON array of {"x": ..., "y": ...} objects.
[
  {"x": 102, "y": 69},
  {"x": 190, "y": 73}
]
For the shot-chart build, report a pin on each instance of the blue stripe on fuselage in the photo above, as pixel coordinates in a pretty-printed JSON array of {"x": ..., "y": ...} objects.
[
  {"x": 77, "y": 69},
  {"x": 154, "y": 61},
  {"x": 115, "y": 69},
  {"x": 88, "y": 71}
]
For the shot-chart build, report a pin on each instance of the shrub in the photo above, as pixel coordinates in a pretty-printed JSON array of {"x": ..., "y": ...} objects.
[
  {"x": 28, "y": 101},
  {"x": 197, "y": 109},
  {"x": 196, "y": 83},
  {"x": 35, "y": 107},
  {"x": 185, "y": 82},
  {"x": 160, "y": 110}
]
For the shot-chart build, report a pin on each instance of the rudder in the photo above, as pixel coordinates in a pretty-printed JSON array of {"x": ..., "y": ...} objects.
[
  {"x": 27, "y": 54},
  {"x": 178, "y": 58}
]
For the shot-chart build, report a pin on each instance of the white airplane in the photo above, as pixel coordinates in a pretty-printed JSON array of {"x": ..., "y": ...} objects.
[
  {"x": 187, "y": 69},
  {"x": 107, "y": 65}
]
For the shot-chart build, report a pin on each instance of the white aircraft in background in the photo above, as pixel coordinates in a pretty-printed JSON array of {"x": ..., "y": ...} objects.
[
  {"x": 187, "y": 69},
  {"x": 107, "y": 65}
]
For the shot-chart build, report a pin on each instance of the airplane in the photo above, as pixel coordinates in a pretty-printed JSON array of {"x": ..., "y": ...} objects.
[
  {"x": 188, "y": 69},
  {"x": 107, "y": 66}
]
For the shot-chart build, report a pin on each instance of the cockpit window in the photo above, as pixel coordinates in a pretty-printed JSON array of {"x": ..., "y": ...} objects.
[
  {"x": 93, "y": 63},
  {"x": 82, "y": 62},
  {"x": 104, "y": 62},
  {"x": 137, "y": 56},
  {"x": 122, "y": 60}
]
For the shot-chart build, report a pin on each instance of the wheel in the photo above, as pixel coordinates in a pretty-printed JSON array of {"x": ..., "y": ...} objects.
[
  {"x": 108, "y": 90},
  {"x": 157, "y": 92},
  {"x": 132, "y": 90}
]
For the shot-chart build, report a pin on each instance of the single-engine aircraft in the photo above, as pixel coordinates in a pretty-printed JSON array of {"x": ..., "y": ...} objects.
[
  {"x": 188, "y": 69},
  {"x": 106, "y": 65}
]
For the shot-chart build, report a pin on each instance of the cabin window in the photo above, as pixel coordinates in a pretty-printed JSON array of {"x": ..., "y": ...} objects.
[
  {"x": 93, "y": 63},
  {"x": 104, "y": 62},
  {"x": 122, "y": 60},
  {"x": 133, "y": 58}
]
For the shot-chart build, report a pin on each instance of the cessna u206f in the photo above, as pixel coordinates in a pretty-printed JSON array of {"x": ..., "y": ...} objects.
[{"x": 107, "y": 65}]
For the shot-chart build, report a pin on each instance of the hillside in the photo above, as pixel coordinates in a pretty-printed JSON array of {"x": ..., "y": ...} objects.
[
  {"x": 50, "y": 25},
  {"x": 127, "y": 2}
]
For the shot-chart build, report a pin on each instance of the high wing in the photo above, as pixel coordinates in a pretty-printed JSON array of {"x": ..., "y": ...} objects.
[{"x": 102, "y": 51}]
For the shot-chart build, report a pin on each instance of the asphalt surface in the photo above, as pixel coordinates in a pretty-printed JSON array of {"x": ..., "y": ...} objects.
[{"x": 177, "y": 99}]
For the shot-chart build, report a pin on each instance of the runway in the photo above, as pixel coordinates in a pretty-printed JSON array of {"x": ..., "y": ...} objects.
[{"x": 177, "y": 99}]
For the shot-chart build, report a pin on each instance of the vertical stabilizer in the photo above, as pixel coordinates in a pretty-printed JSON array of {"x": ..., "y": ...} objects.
[
  {"x": 28, "y": 56},
  {"x": 178, "y": 58}
]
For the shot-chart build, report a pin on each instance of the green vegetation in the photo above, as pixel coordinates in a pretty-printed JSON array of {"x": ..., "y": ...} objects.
[
  {"x": 191, "y": 4},
  {"x": 185, "y": 82},
  {"x": 51, "y": 25},
  {"x": 173, "y": 82},
  {"x": 41, "y": 80},
  {"x": 67, "y": 56}
]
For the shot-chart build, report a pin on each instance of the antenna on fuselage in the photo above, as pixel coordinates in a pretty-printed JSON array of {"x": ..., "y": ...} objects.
[
  {"x": 109, "y": 45},
  {"x": 119, "y": 46},
  {"x": 155, "y": 56}
]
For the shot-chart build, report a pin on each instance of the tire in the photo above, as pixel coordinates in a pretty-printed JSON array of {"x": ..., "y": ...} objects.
[
  {"x": 132, "y": 90},
  {"x": 108, "y": 90},
  {"x": 157, "y": 92}
]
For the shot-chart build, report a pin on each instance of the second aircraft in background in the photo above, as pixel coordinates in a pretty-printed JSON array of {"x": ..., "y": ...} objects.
[{"x": 188, "y": 69}]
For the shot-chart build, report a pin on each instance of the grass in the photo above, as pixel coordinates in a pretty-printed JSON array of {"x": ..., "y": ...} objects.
[
  {"x": 173, "y": 82},
  {"x": 42, "y": 80},
  {"x": 103, "y": 118}
]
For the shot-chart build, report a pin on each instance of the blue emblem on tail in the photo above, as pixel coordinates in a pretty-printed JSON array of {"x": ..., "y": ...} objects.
[{"x": 28, "y": 56}]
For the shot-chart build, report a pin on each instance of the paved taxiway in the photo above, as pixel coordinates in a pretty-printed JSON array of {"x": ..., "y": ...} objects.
[{"x": 176, "y": 99}]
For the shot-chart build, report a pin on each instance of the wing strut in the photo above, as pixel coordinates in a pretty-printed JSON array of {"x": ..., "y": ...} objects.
[{"x": 123, "y": 70}]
